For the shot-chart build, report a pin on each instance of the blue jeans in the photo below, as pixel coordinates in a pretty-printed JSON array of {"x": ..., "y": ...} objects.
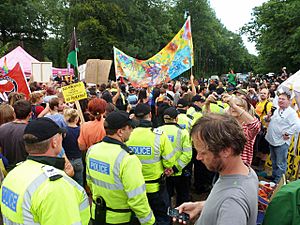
[
  {"x": 279, "y": 161},
  {"x": 78, "y": 170}
]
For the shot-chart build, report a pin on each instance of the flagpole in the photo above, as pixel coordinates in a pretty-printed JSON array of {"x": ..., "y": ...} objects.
[{"x": 76, "y": 58}]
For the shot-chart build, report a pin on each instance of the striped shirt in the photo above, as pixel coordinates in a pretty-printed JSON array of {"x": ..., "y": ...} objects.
[{"x": 250, "y": 131}]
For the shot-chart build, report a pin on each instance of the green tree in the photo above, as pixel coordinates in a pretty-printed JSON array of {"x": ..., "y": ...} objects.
[{"x": 275, "y": 28}]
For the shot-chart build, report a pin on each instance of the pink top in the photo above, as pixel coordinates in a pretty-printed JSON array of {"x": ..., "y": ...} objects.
[{"x": 250, "y": 131}]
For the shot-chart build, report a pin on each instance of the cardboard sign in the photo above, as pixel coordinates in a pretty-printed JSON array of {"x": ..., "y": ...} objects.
[
  {"x": 41, "y": 71},
  {"x": 74, "y": 92},
  {"x": 293, "y": 159},
  {"x": 97, "y": 71}
]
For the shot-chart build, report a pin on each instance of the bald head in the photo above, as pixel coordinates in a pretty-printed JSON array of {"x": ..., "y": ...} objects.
[{"x": 264, "y": 94}]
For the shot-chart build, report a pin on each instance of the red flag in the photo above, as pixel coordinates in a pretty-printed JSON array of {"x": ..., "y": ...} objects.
[{"x": 14, "y": 81}]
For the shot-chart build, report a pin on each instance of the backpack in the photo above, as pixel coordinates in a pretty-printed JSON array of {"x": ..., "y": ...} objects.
[{"x": 33, "y": 110}]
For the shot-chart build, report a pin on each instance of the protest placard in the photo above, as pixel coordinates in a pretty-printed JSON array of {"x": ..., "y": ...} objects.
[
  {"x": 74, "y": 92},
  {"x": 97, "y": 71},
  {"x": 41, "y": 71}
]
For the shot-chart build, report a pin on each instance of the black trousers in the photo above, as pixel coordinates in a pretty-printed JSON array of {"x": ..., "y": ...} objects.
[
  {"x": 180, "y": 184},
  {"x": 159, "y": 203},
  {"x": 202, "y": 176}
]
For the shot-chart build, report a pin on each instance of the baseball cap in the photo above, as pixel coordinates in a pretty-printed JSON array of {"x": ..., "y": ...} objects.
[
  {"x": 142, "y": 110},
  {"x": 182, "y": 103},
  {"x": 241, "y": 91},
  {"x": 43, "y": 129},
  {"x": 198, "y": 98},
  {"x": 118, "y": 120},
  {"x": 171, "y": 113}
]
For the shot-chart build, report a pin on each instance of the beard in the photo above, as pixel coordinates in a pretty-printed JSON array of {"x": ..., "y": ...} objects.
[{"x": 217, "y": 165}]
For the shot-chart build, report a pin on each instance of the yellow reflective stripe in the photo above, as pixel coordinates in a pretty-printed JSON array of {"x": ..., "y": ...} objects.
[
  {"x": 157, "y": 156},
  {"x": 139, "y": 190},
  {"x": 180, "y": 163},
  {"x": 146, "y": 219},
  {"x": 77, "y": 223},
  {"x": 178, "y": 140},
  {"x": 7, "y": 221},
  {"x": 26, "y": 206},
  {"x": 170, "y": 155},
  {"x": 187, "y": 149},
  {"x": 150, "y": 161},
  {"x": 116, "y": 171},
  {"x": 117, "y": 166},
  {"x": 105, "y": 184},
  {"x": 85, "y": 203},
  {"x": 157, "y": 146}
]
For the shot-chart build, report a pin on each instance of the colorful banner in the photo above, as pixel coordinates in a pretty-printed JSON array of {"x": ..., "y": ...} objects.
[
  {"x": 174, "y": 59},
  {"x": 14, "y": 81}
]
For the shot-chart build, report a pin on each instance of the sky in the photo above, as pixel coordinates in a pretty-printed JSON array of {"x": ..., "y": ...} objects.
[{"x": 234, "y": 14}]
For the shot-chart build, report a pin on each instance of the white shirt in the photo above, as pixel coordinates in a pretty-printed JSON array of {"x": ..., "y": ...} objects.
[{"x": 282, "y": 121}]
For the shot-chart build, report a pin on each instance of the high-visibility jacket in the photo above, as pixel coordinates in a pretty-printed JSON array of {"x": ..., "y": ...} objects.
[
  {"x": 194, "y": 114},
  {"x": 155, "y": 152},
  {"x": 35, "y": 193},
  {"x": 116, "y": 176},
  {"x": 185, "y": 121},
  {"x": 181, "y": 143},
  {"x": 218, "y": 107}
]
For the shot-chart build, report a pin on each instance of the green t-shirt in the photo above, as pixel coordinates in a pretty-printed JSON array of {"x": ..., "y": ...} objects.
[{"x": 231, "y": 79}]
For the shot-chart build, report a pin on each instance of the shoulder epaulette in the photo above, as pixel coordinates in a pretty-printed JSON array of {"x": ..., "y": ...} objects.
[
  {"x": 157, "y": 131},
  {"x": 190, "y": 116},
  {"x": 127, "y": 149},
  {"x": 51, "y": 172}
]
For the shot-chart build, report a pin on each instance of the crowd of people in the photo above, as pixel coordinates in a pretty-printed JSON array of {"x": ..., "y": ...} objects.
[{"x": 140, "y": 146}]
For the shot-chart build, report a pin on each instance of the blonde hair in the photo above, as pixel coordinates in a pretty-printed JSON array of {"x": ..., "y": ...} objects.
[
  {"x": 70, "y": 115},
  {"x": 35, "y": 97}
]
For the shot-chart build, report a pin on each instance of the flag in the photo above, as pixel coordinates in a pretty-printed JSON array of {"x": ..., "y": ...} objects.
[
  {"x": 14, "y": 81},
  {"x": 174, "y": 59},
  {"x": 72, "y": 56},
  {"x": 5, "y": 67}
]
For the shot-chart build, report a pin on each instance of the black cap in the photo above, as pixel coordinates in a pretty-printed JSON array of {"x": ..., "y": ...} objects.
[
  {"x": 118, "y": 120},
  {"x": 43, "y": 129},
  {"x": 198, "y": 98},
  {"x": 142, "y": 110},
  {"x": 182, "y": 103},
  {"x": 171, "y": 113}
]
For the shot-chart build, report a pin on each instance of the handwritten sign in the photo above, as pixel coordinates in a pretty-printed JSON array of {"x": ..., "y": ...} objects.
[{"x": 74, "y": 92}]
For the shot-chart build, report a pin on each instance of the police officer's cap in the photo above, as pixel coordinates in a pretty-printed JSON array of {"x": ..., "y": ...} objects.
[
  {"x": 171, "y": 113},
  {"x": 142, "y": 110},
  {"x": 118, "y": 120},
  {"x": 43, "y": 129},
  {"x": 198, "y": 98},
  {"x": 182, "y": 103}
]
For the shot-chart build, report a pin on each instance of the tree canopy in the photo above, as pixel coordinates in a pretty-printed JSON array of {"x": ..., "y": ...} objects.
[
  {"x": 141, "y": 28},
  {"x": 275, "y": 28}
]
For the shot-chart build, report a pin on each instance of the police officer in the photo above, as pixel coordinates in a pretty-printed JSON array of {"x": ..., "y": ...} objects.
[
  {"x": 114, "y": 175},
  {"x": 195, "y": 110},
  {"x": 156, "y": 153},
  {"x": 37, "y": 191},
  {"x": 181, "y": 143},
  {"x": 214, "y": 104},
  {"x": 184, "y": 120}
]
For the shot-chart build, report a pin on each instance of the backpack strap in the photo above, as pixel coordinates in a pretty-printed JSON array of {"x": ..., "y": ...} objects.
[{"x": 265, "y": 108}]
